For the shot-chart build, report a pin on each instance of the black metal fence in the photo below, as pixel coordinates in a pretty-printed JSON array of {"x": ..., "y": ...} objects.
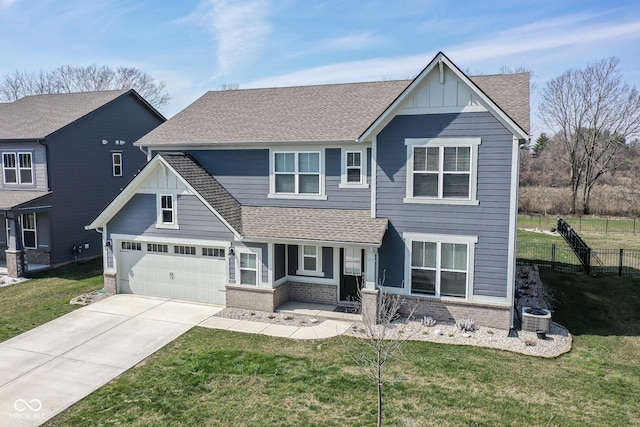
[
  {"x": 579, "y": 246},
  {"x": 583, "y": 224},
  {"x": 560, "y": 257}
]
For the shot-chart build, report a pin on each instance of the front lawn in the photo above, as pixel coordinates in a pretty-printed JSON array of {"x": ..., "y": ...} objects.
[
  {"x": 28, "y": 304},
  {"x": 210, "y": 377}
]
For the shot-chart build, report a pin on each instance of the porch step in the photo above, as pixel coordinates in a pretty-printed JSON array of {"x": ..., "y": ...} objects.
[{"x": 324, "y": 311}]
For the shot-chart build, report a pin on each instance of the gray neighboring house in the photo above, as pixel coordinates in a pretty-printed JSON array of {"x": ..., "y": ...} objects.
[
  {"x": 252, "y": 198},
  {"x": 63, "y": 157}
]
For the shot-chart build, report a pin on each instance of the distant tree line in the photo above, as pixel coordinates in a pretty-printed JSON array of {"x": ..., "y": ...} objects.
[{"x": 78, "y": 78}]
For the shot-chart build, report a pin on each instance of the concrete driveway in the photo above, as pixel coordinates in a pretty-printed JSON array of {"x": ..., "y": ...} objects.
[{"x": 49, "y": 368}]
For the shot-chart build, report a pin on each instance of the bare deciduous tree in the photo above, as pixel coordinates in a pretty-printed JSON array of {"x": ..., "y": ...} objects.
[
  {"x": 72, "y": 78},
  {"x": 377, "y": 342},
  {"x": 591, "y": 111},
  {"x": 228, "y": 86}
]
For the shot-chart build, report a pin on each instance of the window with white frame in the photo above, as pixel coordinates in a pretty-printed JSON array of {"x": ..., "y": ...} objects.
[
  {"x": 442, "y": 170},
  {"x": 248, "y": 266},
  {"x": 441, "y": 266},
  {"x": 352, "y": 261},
  {"x": 17, "y": 168},
  {"x": 354, "y": 168},
  {"x": 296, "y": 173},
  {"x": 166, "y": 206},
  {"x": 310, "y": 260},
  {"x": 116, "y": 163},
  {"x": 29, "y": 235}
]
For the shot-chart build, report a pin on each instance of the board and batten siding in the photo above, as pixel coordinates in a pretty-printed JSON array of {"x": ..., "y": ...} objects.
[
  {"x": 245, "y": 174},
  {"x": 489, "y": 220},
  {"x": 138, "y": 217},
  {"x": 38, "y": 161}
]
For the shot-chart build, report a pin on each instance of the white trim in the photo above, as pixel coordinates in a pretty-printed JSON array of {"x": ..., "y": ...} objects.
[
  {"x": 374, "y": 177},
  {"x": 318, "y": 256},
  {"x": 171, "y": 240},
  {"x": 251, "y": 145},
  {"x": 114, "y": 164},
  {"x": 248, "y": 250},
  {"x": 292, "y": 241},
  {"x": 441, "y": 143},
  {"x": 513, "y": 225},
  {"x": 17, "y": 169},
  {"x": 442, "y": 110},
  {"x": 344, "y": 152},
  {"x": 470, "y": 241},
  {"x": 321, "y": 195},
  {"x": 160, "y": 210}
]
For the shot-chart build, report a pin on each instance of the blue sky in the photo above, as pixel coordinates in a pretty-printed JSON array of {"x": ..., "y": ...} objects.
[{"x": 195, "y": 45}]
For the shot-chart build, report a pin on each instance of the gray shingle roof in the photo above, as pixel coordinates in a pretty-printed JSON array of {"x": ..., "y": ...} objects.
[
  {"x": 13, "y": 198},
  {"x": 338, "y": 112},
  {"x": 510, "y": 92},
  {"x": 207, "y": 186},
  {"x": 37, "y": 116},
  {"x": 327, "y": 225}
]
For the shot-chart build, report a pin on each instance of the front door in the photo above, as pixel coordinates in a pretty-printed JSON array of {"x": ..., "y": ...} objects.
[{"x": 351, "y": 273}]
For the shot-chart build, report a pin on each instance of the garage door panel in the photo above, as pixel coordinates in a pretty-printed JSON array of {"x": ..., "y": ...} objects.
[{"x": 169, "y": 275}]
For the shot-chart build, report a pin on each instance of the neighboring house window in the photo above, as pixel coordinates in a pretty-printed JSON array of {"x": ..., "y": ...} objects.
[
  {"x": 353, "y": 261},
  {"x": 116, "y": 163},
  {"x": 354, "y": 169},
  {"x": 28, "y": 225},
  {"x": 248, "y": 268},
  {"x": 310, "y": 260},
  {"x": 17, "y": 168},
  {"x": 166, "y": 211},
  {"x": 442, "y": 170},
  {"x": 440, "y": 265},
  {"x": 213, "y": 252},
  {"x": 297, "y": 174}
]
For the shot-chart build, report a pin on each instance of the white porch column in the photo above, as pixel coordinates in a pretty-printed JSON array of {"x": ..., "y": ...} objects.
[{"x": 371, "y": 268}]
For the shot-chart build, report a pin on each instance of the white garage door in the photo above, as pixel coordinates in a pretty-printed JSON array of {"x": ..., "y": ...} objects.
[{"x": 192, "y": 273}]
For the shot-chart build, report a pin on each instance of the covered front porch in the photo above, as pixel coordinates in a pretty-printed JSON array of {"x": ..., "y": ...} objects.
[{"x": 317, "y": 256}]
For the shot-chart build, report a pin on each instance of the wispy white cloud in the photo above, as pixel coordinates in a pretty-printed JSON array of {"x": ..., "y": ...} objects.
[
  {"x": 239, "y": 28},
  {"x": 540, "y": 37},
  {"x": 349, "y": 42},
  {"x": 7, "y": 3}
]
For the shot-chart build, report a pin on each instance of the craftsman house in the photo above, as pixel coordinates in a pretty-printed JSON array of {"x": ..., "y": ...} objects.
[
  {"x": 256, "y": 197},
  {"x": 63, "y": 158}
]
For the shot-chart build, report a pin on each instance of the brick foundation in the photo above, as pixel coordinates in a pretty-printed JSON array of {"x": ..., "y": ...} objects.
[
  {"x": 311, "y": 292},
  {"x": 489, "y": 315},
  {"x": 253, "y": 298},
  {"x": 33, "y": 256}
]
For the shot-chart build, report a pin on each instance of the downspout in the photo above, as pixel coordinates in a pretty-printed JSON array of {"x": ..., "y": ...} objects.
[{"x": 146, "y": 153}]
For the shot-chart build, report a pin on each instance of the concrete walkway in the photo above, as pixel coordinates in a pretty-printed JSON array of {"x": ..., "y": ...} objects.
[{"x": 49, "y": 368}]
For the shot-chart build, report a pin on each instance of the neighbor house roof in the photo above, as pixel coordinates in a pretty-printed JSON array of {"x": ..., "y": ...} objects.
[
  {"x": 10, "y": 199},
  {"x": 336, "y": 112},
  {"x": 37, "y": 116},
  {"x": 325, "y": 225}
]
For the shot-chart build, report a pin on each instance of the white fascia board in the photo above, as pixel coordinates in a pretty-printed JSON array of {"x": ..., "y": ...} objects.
[
  {"x": 291, "y": 241},
  {"x": 390, "y": 112}
]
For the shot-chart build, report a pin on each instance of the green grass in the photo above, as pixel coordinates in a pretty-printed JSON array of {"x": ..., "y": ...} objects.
[
  {"x": 28, "y": 304},
  {"x": 209, "y": 377}
]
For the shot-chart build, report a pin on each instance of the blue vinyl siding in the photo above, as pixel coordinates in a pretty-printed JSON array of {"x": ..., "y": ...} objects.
[
  {"x": 245, "y": 174},
  {"x": 489, "y": 220},
  {"x": 138, "y": 217},
  {"x": 38, "y": 162}
]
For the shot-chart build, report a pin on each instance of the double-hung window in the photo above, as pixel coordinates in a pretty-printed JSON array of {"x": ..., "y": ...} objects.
[
  {"x": 310, "y": 260},
  {"x": 442, "y": 170},
  {"x": 17, "y": 168},
  {"x": 354, "y": 168},
  {"x": 28, "y": 225},
  {"x": 248, "y": 268},
  {"x": 167, "y": 214},
  {"x": 296, "y": 174},
  {"x": 440, "y": 265},
  {"x": 116, "y": 163}
]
